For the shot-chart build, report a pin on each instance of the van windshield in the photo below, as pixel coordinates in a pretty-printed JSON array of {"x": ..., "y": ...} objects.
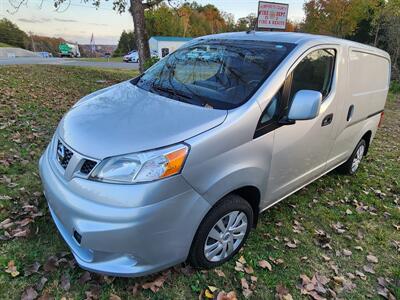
[{"x": 221, "y": 74}]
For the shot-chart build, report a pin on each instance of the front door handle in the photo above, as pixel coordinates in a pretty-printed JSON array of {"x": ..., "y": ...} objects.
[{"x": 327, "y": 120}]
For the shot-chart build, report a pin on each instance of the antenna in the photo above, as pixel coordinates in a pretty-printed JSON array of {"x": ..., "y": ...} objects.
[{"x": 33, "y": 42}]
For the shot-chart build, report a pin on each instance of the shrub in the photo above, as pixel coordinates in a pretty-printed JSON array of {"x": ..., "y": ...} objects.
[
  {"x": 151, "y": 61},
  {"x": 395, "y": 87}
]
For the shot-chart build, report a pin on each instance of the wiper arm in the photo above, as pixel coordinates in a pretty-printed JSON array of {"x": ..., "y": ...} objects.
[{"x": 171, "y": 91}]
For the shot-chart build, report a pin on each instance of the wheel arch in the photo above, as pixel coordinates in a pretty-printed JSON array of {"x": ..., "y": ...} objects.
[
  {"x": 253, "y": 196},
  {"x": 367, "y": 138}
]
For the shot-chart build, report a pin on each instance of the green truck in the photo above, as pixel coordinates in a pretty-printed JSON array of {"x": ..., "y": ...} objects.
[{"x": 69, "y": 50}]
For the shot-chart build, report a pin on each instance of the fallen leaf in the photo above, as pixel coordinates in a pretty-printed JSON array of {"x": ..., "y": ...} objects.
[
  {"x": 84, "y": 278},
  {"x": 265, "y": 264},
  {"x": 291, "y": 244},
  {"x": 277, "y": 261},
  {"x": 361, "y": 275},
  {"x": 155, "y": 285},
  {"x": 242, "y": 260},
  {"x": 247, "y": 293},
  {"x": 40, "y": 285},
  {"x": 282, "y": 293},
  {"x": 65, "y": 282},
  {"x": 46, "y": 296},
  {"x": 226, "y": 296},
  {"x": 114, "y": 297},
  {"x": 325, "y": 257},
  {"x": 33, "y": 268},
  {"x": 338, "y": 227},
  {"x": 12, "y": 269},
  {"x": 372, "y": 259},
  {"x": 93, "y": 293},
  {"x": 369, "y": 269},
  {"x": 208, "y": 294},
  {"x": 244, "y": 283},
  {"x": 249, "y": 270},
  {"x": 212, "y": 288},
  {"x": 51, "y": 264},
  {"x": 314, "y": 287},
  {"x": 29, "y": 294},
  {"x": 239, "y": 266},
  {"x": 219, "y": 273},
  {"x": 347, "y": 252}
]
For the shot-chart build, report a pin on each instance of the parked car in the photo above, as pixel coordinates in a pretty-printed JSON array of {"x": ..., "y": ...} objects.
[
  {"x": 154, "y": 54},
  {"x": 178, "y": 163},
  {"x": 132, "y": 56}
]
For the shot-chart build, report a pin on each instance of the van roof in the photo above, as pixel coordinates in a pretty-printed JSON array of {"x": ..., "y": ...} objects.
[{"x": 292, "y": 37}]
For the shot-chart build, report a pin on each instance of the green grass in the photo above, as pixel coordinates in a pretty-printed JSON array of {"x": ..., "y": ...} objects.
[
  {"x": 34, "y": 98},
  {"x": 4, "y": 45},
  {"x": 102, "y": 59}
]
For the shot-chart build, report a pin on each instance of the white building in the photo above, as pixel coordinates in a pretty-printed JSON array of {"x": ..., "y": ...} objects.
[{"x": 164, "y": 45}]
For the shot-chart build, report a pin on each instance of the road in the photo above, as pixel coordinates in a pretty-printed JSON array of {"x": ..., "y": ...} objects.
[{"x": 67, "y": 62}]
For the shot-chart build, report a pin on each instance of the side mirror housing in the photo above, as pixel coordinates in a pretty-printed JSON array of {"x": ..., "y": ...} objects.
[{"x": 305, "y": 105}]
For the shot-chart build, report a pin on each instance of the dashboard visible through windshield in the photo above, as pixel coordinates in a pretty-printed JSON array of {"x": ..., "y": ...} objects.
[{"x": 220, "y": 74}]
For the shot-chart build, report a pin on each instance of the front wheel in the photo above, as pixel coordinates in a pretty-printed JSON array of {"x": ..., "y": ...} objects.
[
  {"x": 350, "y": 167},
  {"x": 222, "y": 232}
]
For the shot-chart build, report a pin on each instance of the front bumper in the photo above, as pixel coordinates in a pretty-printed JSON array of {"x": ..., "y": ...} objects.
[{"x": 124, "y": 230}]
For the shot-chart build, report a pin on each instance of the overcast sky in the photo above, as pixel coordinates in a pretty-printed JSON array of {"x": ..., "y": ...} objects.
[{"x": 79, "y": 21}]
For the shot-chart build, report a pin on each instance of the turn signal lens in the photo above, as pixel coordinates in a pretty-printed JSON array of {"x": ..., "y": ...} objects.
[{"x": 175, "y": 161}]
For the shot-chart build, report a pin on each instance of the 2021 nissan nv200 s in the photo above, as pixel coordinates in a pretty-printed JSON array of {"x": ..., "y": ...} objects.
[{"x": 177, "y": 163}]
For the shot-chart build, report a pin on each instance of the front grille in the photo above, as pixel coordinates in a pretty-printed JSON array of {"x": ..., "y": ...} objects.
[
  {"x": 88, "y": 166},
  {"x": 63, "y": 154}
]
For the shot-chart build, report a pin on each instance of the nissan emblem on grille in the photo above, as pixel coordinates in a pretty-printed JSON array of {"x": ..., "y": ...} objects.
[{"x": 63, "y": 155}]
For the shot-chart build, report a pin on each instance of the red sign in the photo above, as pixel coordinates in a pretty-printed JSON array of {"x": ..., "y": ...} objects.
[{"x": 272, "y": 15}]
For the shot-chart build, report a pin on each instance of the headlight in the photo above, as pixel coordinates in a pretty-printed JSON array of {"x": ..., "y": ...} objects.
[{"x": 143, "y": 166}]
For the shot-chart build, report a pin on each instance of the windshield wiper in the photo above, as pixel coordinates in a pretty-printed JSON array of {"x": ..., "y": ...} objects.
[
  {"x": 173, "y": 92},
  {"x": 180, "y": 96}
]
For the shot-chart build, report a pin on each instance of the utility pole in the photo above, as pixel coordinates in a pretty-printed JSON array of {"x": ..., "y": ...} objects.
[
  {"x": 92, "y": 45},
  {"x": 33, "y": 42}
]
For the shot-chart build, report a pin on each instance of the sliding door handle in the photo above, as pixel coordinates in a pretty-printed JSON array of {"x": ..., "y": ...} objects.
[{"x": 350, "y": 112}]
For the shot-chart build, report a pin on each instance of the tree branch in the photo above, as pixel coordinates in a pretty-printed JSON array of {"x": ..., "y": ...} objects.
[
  {"x": 150, "y": 3},
  {"x": 16, "y": 6}
]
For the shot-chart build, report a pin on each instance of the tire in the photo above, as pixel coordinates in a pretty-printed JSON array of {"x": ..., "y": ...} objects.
[
  {"x": 232, "y": 208},
  {"x": 351, "y": 166}
]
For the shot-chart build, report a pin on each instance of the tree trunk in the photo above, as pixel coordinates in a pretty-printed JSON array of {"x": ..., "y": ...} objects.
[
  {"x": 378, "y": 28},
  {"x": 137, "y": 12}
]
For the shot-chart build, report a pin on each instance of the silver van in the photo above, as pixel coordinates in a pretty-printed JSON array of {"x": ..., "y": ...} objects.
[{"x": 177, "y": 164}]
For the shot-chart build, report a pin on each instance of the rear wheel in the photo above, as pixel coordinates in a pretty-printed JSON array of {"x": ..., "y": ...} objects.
[
  {"x": 222, "y": 232},
  {"x": 350, "y": 167}
]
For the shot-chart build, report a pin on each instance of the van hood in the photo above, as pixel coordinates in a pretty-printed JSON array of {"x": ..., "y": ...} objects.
[{"x": 125, "y": 119}]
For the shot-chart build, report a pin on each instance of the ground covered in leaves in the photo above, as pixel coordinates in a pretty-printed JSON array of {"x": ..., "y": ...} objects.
[{"x": 337, "y": 238}]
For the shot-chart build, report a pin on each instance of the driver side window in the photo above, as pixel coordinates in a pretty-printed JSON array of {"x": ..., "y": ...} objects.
[{"x": 314, "y": 72}]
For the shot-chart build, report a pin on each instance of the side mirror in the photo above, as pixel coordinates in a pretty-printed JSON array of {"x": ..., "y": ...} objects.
[{"x": 305, "y": 105}]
